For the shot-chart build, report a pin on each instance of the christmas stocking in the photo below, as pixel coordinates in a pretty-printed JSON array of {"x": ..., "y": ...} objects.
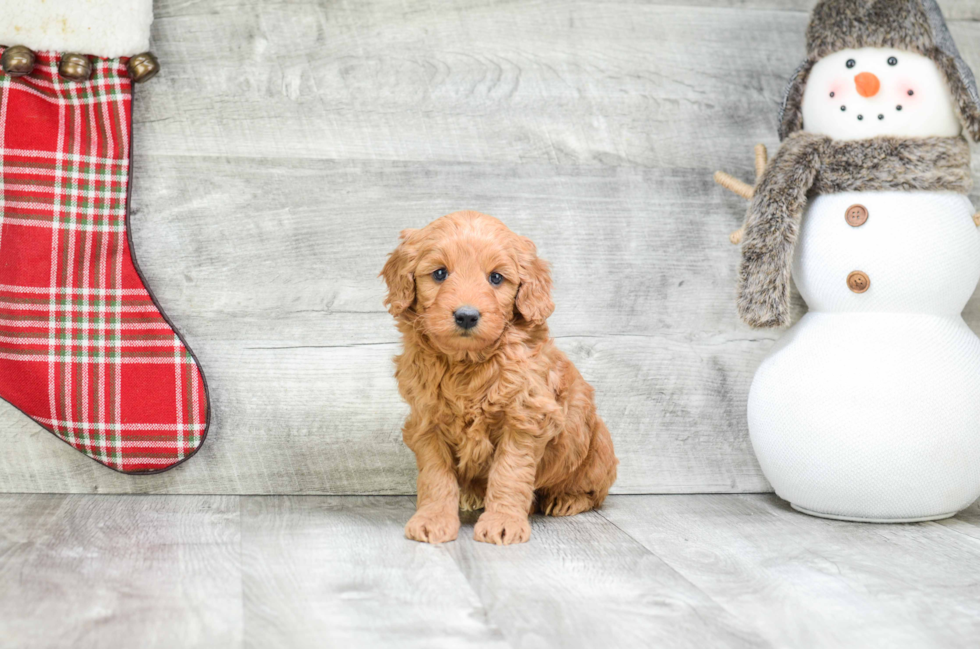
[{"x": 85, "y": 350}]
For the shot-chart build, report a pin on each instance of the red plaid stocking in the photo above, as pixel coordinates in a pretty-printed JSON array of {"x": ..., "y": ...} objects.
[{"x": 84, "y": 349}]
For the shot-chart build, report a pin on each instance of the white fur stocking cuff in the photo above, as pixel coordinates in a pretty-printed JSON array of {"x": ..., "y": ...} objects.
[{"x": 107, "y": 28}]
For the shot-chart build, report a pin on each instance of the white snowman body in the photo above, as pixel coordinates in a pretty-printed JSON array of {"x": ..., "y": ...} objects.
[{"x": 869, "y": 407}]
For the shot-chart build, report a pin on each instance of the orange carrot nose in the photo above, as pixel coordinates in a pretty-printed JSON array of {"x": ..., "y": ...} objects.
[{"x": 867, "y": 84}]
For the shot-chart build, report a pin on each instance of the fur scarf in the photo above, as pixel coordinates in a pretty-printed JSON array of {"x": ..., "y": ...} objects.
[{"x": 810, "y": 164}]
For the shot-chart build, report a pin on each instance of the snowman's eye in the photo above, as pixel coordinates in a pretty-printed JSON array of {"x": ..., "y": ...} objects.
[
  {"x": 851, "y": 63},
  {"x": 892, "y": 60}
]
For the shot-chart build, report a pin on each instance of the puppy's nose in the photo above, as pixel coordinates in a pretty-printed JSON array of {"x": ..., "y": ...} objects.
[
  {"x": 466, "y": 317},
  {"x": 867, "y": 84}
]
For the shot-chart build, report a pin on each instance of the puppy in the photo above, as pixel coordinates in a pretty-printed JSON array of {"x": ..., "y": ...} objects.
[{"x": 500, "y": 418}]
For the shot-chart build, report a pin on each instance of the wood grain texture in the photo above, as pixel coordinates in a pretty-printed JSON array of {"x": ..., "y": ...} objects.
[
  {"x": 271, "y": 182},
  {"x": 808, "y": 582},
  {"x": 591, "y": 585},
  {"x": 113, "y": 571},
  {"x": 338, "y": 572}
]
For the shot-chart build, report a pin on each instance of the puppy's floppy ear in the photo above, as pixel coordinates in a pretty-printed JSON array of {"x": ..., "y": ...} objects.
[
  {"x": 533, "y": 299},
  {"x": 399, "y": 274}
]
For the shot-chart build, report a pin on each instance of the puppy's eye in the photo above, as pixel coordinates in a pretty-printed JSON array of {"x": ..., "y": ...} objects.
[
  {"x": 892, "y": 61},
  {"x": 851, "y": 63},
  {"x": 440, "y": 275},
  {"x": 496, "y": 279}
]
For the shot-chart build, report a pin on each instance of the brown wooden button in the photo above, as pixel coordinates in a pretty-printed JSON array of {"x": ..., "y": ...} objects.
[
  {"x": 856, "y": 215},
  {"x": 858, "y": 282}
]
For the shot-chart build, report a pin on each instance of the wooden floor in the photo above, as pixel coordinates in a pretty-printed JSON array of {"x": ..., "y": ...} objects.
[{"x": 326, "y": 571}]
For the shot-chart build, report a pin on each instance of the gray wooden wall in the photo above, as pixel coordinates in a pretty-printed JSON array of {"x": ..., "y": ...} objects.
[{"x": 286, "y": 143}]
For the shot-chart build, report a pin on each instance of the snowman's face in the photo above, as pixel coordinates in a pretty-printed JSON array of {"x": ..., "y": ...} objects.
[{"x": 871, "y": 92}]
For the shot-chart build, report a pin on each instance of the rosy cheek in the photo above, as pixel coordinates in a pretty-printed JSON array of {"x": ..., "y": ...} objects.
[
  {"x": 907, "y": 92},
  {"x": 837, "y": 90}
]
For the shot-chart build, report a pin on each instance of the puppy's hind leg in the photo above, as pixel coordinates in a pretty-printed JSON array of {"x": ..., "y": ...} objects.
[
  {"x": 589, "y": 485},
  {"x": 567, "y": 504}
]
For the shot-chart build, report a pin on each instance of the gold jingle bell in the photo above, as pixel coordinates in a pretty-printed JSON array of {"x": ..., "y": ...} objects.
[
  {"x": 143, "y": 67},
  {"x": 17, "y": 61},
  {"x": 75, "y": 67}
]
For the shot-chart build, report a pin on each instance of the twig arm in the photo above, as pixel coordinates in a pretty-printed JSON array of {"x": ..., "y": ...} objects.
[
  {"x": 734, "y": 185},
  {"x": 761, "y": 160},
  {"x": 746, "y": 191}
]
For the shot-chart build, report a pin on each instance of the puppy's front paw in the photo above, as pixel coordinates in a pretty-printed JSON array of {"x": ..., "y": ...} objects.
[
  {"x": 432, "y": 528},
  {"x": 502, "y": 529}
]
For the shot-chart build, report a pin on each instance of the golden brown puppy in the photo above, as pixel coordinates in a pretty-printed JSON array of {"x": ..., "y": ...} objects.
[{"x": 499, "y": 415}]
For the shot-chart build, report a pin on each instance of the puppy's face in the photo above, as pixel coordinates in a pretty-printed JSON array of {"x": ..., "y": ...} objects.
[
  {"x": 465, "y": 287},
  {"x": 464, "y": 278}
]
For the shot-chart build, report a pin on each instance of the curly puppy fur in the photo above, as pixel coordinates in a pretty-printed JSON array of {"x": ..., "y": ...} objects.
[
  {"x": 913, "y": 25},
  {"x": 809, "y": 164},
  {"x": 500, "y": 418}
]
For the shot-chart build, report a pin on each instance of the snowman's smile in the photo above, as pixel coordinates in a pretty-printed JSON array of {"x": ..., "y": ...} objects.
[{"x": 872, "y": 92}]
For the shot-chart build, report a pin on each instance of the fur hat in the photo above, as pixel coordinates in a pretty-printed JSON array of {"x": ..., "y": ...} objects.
[{"x": 912, "y": 25}]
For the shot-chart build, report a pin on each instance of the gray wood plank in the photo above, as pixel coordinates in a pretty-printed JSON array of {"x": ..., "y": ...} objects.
[
  {"x": 597, "y": 83},
  {"x": 338, "y": 572},
  {"x": 580, "y": 583},
  {"x": 807, "y": 582},
  {"x": 285, "y": 144},
  {"x": 952, "y": 9},
  {"x": 112, "y": 571}
]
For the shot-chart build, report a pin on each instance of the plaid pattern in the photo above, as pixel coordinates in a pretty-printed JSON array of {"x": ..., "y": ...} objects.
[{"x": 84, "y": 351}]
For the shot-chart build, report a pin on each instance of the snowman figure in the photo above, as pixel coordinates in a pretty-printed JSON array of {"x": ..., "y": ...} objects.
[{"x": 868, "y": 408}]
